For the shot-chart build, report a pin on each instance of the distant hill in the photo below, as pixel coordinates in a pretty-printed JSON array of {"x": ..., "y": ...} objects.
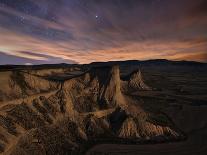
[{"x": 150, "y": 62}]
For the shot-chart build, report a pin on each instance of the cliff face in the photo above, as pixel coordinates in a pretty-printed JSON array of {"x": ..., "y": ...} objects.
[
  {"x": 97, "y": 89},
  {"x": 62, "y": 116}
]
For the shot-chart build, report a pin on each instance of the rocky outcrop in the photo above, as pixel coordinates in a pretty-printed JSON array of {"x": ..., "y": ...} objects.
[
  {"x": 129, "y": 129},
  {"x": 111, "y": 91},
  {"x": 97, "y": 89},
  {"x": 95, "y": 127},
  {"x": 134, "y": 82},
  {"x": 134, "y": 127}
]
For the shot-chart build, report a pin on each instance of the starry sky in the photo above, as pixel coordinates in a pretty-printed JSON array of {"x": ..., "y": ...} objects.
[{"x": 84, "y": 31}]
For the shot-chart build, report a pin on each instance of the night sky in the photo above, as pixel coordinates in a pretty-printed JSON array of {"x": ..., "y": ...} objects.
[{"x": 84, "y": 31}]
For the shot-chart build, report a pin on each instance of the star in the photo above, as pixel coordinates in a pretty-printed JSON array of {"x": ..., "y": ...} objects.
[
  {"x": 96, "y": 16},
  {"x": 22, "y": 19}
]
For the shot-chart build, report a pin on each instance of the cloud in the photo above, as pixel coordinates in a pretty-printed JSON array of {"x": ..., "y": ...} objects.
[
  {"x": 133, "y": 29},
  {"x": 12, "y": 59}
]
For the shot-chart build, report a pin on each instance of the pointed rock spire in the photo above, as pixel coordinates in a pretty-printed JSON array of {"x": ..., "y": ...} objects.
[{"x": 136, "y": 81}]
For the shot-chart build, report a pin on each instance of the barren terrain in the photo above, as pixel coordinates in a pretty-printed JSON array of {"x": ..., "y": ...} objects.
[{"x": 152, "y": 107}]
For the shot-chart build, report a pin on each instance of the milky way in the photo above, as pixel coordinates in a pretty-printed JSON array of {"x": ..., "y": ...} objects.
[{"x": 83, "y": 31}]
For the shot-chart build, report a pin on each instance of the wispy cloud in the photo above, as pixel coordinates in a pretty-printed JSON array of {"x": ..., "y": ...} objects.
[{"x": 69, "y": 31}]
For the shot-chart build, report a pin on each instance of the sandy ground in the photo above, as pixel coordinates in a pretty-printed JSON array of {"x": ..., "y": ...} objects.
[{"x": 183, "y": 148}]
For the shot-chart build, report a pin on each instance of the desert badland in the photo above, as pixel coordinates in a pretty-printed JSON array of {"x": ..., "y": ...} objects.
[{"x": 131, "y": 107}]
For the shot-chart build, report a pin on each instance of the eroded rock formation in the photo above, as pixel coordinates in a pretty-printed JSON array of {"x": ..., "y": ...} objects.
[{"x": 62, "y": 116}]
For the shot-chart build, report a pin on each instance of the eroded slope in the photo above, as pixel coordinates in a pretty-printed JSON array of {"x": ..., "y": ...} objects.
[{"x": 86, "y": 108}]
